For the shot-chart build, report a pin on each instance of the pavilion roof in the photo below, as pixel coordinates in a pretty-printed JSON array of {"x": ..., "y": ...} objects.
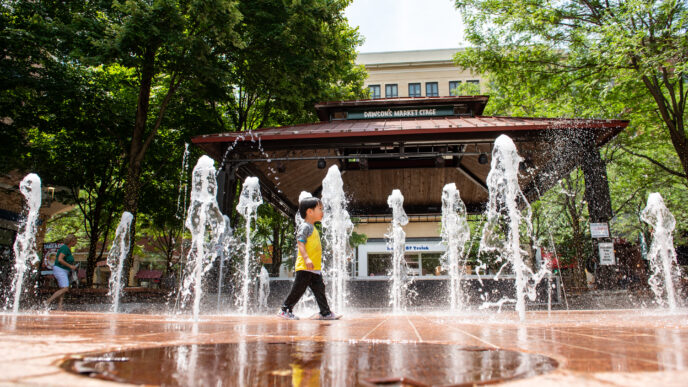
[
  {"x": 450, "y": 127},
  {"x": 418, "y": 155}
]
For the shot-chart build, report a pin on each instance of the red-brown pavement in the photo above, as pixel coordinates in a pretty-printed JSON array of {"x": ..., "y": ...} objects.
[{"x": 597, "y": 348}]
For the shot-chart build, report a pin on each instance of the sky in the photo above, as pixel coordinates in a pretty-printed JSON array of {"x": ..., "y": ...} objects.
[{"x": 400, "y": 25}]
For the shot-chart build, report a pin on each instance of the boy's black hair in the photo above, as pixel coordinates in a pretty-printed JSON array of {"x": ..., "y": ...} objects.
[{"x": 306, "y": 204}]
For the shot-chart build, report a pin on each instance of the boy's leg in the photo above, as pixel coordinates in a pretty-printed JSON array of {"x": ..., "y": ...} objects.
[
  {"x": 297, "y": 289},
  {"x": 317, "y": 286}
]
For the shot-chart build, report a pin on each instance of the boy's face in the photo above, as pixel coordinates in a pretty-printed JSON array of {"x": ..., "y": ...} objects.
[{"x": 314, "y": 214}]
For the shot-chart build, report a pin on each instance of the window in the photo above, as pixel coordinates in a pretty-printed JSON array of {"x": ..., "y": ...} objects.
[
  {"x": 430, "y": 263},
  {"x": 431, "y": 89},
  {"x": 374, "y": 91},
  {"x": 379, "y": 264},
  {"x": 453, "y": 85},
  {"x": 414, "y": 89},
  {"x": 391, "y": 91},
  {"x": 417, "y": 264},
  {"x": 473, "y": 86},
  {"x": 412, "y": 264}
]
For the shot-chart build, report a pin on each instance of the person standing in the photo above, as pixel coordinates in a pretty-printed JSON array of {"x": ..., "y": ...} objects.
[
  {"x": 64, "y": 263},
  {"x": 308, "y": 263}
]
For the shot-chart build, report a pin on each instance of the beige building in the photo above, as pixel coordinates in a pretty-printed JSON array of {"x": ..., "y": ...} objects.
[{"x": 421, "y": 73}]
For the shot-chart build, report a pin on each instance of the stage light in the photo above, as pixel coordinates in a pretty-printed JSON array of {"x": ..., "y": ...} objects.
[{"x": 482, "y": 159}]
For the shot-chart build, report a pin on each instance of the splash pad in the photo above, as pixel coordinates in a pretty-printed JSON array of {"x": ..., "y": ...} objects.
[
  {"x": 626, "y": 347},
  {"x": 608, "y": 345}
]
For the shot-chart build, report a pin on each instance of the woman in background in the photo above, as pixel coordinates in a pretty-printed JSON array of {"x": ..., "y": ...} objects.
[{"x": 63, "y": 264}]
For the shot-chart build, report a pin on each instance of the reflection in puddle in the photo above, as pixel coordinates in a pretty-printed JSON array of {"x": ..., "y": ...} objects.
[{"x": 310, "y": 363}]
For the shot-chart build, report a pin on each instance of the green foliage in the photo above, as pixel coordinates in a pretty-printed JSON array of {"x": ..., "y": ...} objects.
[
  {"x": 97, "y": 96},
  {"x": 624, "y": 60},
  {"x": 294, "y": 55},
  {"x": 357, "y": 239},
  {"x": 63, "y": 224}
]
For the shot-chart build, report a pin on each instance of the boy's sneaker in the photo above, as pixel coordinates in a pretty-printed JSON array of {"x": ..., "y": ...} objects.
[
  {"x": 287, "y": 315},
  {"x": 330, "y": 316}
]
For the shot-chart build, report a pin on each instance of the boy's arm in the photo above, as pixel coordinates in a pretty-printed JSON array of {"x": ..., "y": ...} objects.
[{"x": 304, "y": 254}]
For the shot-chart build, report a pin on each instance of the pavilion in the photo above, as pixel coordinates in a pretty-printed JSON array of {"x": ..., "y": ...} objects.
[{"x": 416, "y": 145}]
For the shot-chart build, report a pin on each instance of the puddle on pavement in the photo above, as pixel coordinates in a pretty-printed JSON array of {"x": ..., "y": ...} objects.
[{"x": 310, "y": 363}]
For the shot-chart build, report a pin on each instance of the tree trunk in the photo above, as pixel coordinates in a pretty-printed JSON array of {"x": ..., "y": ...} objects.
[
  {"x": 132, "y": 186},
  {"x": 579, "y": 271},
  {"x": 276, "y": 249},
  {"x": 91, "y": 260},
  {"x": 575, "y": 214},
  {"x": 96, "y": 232}
]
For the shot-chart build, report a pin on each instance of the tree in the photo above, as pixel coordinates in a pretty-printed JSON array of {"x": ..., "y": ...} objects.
[
  {"x": 163, "y": 44},
  {"x": 75, "y": 145},
  {"x": 637, "y": 47},
  {"x": 140, "y": 78},
  {"x": 276, "y": 230},
  {"x": 295, "y": 55}
]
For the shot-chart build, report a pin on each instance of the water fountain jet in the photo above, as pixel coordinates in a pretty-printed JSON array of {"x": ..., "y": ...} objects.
[
  {"x": 117, "y": 256},
  {"x": 25, "y": 244},
  {"x": 662, "y": 255},
  {"x": 455, "y": 233},
  {"x": 249, "y": 201},
  {"x": 337, "y": 228},
  {"x": 224, "y": 252},
  {"x": 396, "y": 241},
  {"x": 507, "y": 211},
  {"x": 206, "y": 224},
  {"x": 263, "y": 288}
]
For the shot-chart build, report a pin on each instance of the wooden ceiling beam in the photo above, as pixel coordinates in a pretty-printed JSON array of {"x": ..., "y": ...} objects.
[
  {"x": 472, "y": 177},
  {"x": 269, "y": 190}
]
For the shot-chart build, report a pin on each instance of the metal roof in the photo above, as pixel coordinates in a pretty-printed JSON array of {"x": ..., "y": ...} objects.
[{"x": 361, "y": 129}]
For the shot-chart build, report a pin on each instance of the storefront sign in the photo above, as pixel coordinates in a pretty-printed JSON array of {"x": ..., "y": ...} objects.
[
  {"x": 414, "y": 248},
  {"x": 606, "y": 253},
  {"x": 400, "y": 113},
  {"x": 599, "y": 230}
]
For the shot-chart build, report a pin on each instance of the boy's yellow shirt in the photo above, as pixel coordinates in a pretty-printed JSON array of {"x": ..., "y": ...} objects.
[{"x": 314, "y": 251}]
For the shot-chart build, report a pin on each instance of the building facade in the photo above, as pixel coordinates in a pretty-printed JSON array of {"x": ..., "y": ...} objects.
[{"x": 420, "y": 73}]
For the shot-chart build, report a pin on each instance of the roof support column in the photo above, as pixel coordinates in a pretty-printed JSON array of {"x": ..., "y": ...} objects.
[
  {"x": 227, "y": 187},
  {"x": 596, "y": 183},
  {"x": 599, "y": 201}
]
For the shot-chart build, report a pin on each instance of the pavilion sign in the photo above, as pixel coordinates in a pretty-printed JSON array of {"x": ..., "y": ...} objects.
[{"x": 405, "y": 112}]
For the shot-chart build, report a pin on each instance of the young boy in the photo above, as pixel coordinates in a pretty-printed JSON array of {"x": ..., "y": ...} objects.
[{"x": 308, "y": 263}]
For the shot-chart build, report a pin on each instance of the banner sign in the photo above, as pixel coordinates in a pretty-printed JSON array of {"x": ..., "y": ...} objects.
[
  {"x": 599, "y": 230},
  {"x": 405, "y": 112},
  {"x": 50, "y": 254},
  {"x": 606, "y": 253}
]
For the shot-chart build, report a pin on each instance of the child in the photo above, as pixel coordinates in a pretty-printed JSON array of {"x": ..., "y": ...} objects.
[{"x": 308, "y": 263}]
